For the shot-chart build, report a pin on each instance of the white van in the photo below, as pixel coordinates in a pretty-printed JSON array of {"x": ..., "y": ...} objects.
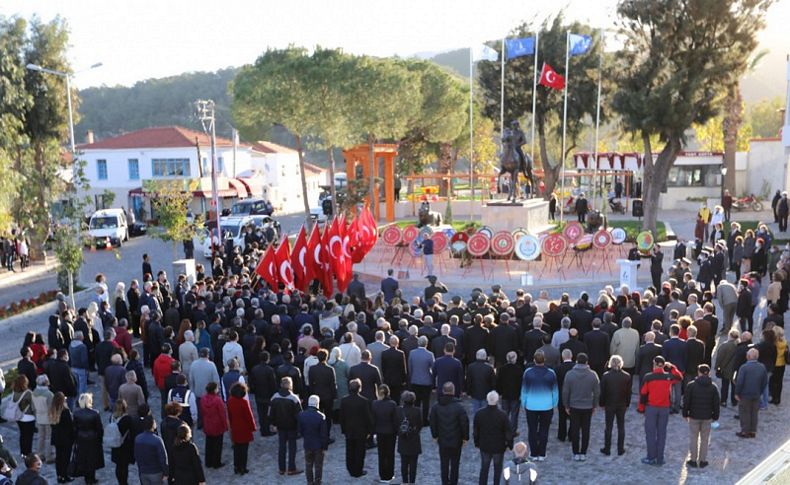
[{"x": 108, "y": 225}]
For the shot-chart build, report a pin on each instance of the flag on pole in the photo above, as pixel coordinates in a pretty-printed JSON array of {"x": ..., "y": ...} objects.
[
  {"x": 484, "y": 53},
  {"x": 326, "y": 263},
  {"x": 285, "y": 272},
  {"x": 313, "y": 264},
  {"x": 550, "y": 78},
  {"x": 266, "y": 269},
  {"x": 299, "y": 260},
  {"x": 520, "y": 47},
  {"x": 579, "y": 44}
]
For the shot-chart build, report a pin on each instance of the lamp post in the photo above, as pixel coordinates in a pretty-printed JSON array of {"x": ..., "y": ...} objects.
[
  {"x": 72, "y": 145},
  {"x": 723, "y": 174}
]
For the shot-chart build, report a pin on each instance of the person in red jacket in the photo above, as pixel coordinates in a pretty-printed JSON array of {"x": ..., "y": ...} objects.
[
  {"x": 162, "y": 366},
  {"x": 215, "y": 424},
  {"x": 654, "y": 401},
  {"x": 242, "y": 426}
]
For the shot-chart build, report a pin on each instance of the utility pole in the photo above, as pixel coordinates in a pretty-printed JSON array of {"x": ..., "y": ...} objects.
[{"x": 205, "y": 112}]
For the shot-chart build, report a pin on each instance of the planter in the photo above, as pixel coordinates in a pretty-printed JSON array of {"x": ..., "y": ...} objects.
[{"x": 22, "y": 306}]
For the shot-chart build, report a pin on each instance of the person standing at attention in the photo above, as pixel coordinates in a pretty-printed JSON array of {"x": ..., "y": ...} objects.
[{"x": 654, "y": 401}]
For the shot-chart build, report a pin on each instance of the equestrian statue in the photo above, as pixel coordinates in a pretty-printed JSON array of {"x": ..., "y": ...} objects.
[{"x": 514, "y": 161}]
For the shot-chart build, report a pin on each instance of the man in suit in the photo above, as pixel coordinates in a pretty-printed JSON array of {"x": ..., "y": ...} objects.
[
  {"x": 564, "y": 421},
  {"x": 449, "y": 369},
  {"x": 598, "y": 345},
  {"x": 421, "y": 377},
  {"x": 575, "y": 345},
  {"x": 504, "y": 339},
  {"x": 393, "y": 369},
  {"x": 389, "y": 286},
  {"x": 644, "y": 357},
  {"x": 438, "y": 343},
  {"x": 675, "y": 351},
  {"x": 323, "y": 383},
  {"x": 356, "y": 288},
  {"x": 476, "y": 337},
  {"x": 582, "y": 318},
  {"x": 533, "y": 340},
  {"x": 368, "y": 375},
  {"x": 356, "y": 423},
  {"x": 377, "y": 348}
]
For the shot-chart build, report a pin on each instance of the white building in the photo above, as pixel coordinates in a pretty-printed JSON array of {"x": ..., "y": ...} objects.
[
  {"x": 764, "y": 170},
  {"x": 128, "y": 164},
  {"x": 279, "y": 166}
]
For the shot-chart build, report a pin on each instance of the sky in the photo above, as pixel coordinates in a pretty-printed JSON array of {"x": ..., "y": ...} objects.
[{"x": 141, "y": 39}]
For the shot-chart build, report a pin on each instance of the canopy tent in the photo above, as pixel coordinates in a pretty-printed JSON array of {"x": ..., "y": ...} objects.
[{"x": 608, "y": 161}]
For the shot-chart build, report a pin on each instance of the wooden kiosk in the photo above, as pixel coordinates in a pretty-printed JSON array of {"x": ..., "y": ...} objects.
[{"x": 384, "y": 154}]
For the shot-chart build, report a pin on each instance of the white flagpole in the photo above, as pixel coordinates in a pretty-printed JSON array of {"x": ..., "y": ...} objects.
[
  {"x": 597, "y": 125},
  {"x": 471, "y": 134},
  {"x": 534, "y": 90},
  {"x": 564, "y": 122},
  {"x": 502, "y": 93}
]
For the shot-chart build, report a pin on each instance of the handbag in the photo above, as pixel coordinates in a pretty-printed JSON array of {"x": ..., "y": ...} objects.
[{"x": 11, "y": 410}]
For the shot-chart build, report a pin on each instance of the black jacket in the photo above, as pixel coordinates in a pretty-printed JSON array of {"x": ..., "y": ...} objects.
[
  {"x": 283, "y": 409},
  {"x": 89, "y": 432},
  {"x": 695, "y": 355},
  {"x": 438, "y": 343},
  {"x": 597, "y": 343},
  {"x": 503, "y": 339},
  {"x": 385, "y": 416},
  {"x": 356, "y": 416},
  {"x": 323, "y": 383},
  {"x": 263, "y": 382},
  {"x": 480, "y": 379},
  {"x": 562, "y": 370},
  {"x": 475, "y": 338},
  {"x": 393, "y": 368},
  {"x": 449, "y": 422},
  {"x": 701, "y": 399},
  {"x": 508, "y": 381},
  {"x": 492, "y": 430},
  {"x": 62, "y": 378},
  {"x": 575, "y": 345},
  {"x": 369, "y": 375},
  {"x": 581, "y": 320},
  {"x": 644, "y": 358},
  {"x": 615, "y": 389},
  {"x": 185, "y": 466},
  {"x": 410, "y": 444},
  {"x": 533, "y": 340}
]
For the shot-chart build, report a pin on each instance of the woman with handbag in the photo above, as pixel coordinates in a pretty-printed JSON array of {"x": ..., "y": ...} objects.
[
  {"x": 123, "y": 455},
  {"x": 88, "y": 452},
  {"x": 62, "y": 435},
  {"x": 21, "y": 405}
]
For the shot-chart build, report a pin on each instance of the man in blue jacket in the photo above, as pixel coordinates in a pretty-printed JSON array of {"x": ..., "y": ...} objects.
[
  {"x": 449, "y": 369},
  {"x": 749, "y": 384},
  {"x": 150, "y": 454},
  {"x": 315, "y": 433},
  {"x": 675, "y": 350},
  {"x": 539, "y": 396}
]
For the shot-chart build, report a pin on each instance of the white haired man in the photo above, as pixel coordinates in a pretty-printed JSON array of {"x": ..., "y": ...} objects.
[{"x": 492, "y": 435}]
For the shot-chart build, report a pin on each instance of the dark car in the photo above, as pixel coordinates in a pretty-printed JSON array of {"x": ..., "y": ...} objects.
[{"x": 252, "y": 207}]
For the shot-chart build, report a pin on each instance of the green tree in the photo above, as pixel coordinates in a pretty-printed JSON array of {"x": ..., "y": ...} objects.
[
  {"x": 275, "y": 91},
  {"x": 171, "y": 203},
  {"x": 711, "y": 135},
  {"x": 677, "y": 57},
  {"x": 519, "y": 72},
  {"x": 765, "y": 117}
]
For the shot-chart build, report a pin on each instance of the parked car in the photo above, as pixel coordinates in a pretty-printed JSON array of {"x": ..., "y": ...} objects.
[
  {"x": 138, "y": 229},
  {"x": 252, "y": 207},
  {"x": 108, "y": 226},
  {"x": 231, "y": 227}
]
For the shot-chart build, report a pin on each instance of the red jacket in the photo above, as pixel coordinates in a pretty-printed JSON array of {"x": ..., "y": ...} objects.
[
  {"x": 161, "y": 369},
  {"x": 124, "y": 339},
  {"x": 215, "y": 418},
  {"x": 242, "y": 422},
  {"x": 657, "y": 388}
]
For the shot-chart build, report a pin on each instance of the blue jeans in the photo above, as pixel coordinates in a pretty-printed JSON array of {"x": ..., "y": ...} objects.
[
  {"x": 512, "y": 407},
  {"x": 287, "y": 438},
  {"x": 477, "y": 405},
  {"x": 82, "y": 380},
  {"x": 656, "y": 420}
]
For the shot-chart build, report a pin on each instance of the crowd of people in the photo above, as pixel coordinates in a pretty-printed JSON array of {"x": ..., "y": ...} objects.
[
  {"x": 14, "y": 247},
  {"x": 230, "y": 357}
]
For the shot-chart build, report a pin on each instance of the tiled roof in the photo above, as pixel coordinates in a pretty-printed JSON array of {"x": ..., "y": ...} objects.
[
  {"x": 157, "y": 137},
  {"x": 262, "y": 146},
  {"x": 313, "y": 168}
]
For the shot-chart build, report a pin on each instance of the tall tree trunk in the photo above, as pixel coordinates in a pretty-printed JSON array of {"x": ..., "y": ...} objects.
[
  {"x": 445, "y": 163},
  {"x": 550, "y": 173},
  {"x": 371, "y": 172},
  {"x": 731, "y": 124},
  {"x": 332, "y": 180},
  {"x": 655, "y": 177},
  {"x": 308, "y": 219}
]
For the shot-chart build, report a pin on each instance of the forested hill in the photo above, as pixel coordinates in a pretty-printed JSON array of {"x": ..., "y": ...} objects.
[{"x": 110, "y": 111}]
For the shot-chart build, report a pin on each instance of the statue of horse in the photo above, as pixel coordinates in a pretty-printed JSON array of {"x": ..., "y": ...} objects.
[{"x": 510, "y": 162}]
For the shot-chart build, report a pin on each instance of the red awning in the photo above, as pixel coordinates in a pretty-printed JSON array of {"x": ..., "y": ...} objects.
[
  {"x": 207, "y": 194},
  {"x": 241, "y": 188}
]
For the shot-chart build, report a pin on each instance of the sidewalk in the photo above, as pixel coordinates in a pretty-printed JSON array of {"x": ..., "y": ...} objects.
[{"x": 36, "y": 268}]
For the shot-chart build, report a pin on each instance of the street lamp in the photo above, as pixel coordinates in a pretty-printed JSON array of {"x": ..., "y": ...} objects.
[
  {"x": 723, "y": 174},
  {"x": 67, "y": 76}
]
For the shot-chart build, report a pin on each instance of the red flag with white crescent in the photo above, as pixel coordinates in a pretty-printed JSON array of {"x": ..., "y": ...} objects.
[
  {"x": 326, "y": 262},
  {"x": 313, "y": 256},
  {"x": 267, "y": 270},
  {"x": 355, "y": 242},
  {"x": 299, "y": 260},
  {"x": 550, "y": 78},
  {"x": 282, "y": 258}
]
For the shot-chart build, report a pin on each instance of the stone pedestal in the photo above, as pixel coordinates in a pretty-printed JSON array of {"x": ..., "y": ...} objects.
[{"x": 531, "y": 214}]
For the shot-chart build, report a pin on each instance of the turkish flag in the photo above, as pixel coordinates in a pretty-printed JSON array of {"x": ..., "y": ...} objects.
[
  {"x": 334, "y": 247},
  {"x": 299, "y": 260},
  {"x": 267, "y": 270},
  {"x": 370, "y": 232},
  {"x": 282, "y": 258},
  {"x": 313, "y": 258},
  {"x": 346, "y": 264},
  {"x": 355, "y": 242},
  {"x": 550, "y": 78},
  {"x": 325, "y": 276}
]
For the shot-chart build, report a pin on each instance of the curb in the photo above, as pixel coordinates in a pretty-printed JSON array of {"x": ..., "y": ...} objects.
[{"x": 769, "y": 468}]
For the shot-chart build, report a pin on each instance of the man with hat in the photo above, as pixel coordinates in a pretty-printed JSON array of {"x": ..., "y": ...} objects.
[
  {"x": 434, "y": 287},
  {"x": 705, "y": 274}
]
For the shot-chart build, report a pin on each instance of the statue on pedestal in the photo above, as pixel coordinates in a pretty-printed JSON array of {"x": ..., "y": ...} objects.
[{"x": 514, "y": 160}]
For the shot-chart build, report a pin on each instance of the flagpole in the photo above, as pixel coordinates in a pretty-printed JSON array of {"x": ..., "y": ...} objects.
[
  {"x": 502, "y": 93},
  {"x": 534, "y": 91},
  {"x": 564, "y": 122},
  {"x": 597, "y": 124},
  {"x": 471, "y": 135}
]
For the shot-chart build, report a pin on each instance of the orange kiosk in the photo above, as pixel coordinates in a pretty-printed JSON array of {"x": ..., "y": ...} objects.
[{"x": 360, "y": 156}]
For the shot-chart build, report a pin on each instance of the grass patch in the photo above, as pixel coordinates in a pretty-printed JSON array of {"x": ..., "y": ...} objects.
[{"x": 456, "y": 225}]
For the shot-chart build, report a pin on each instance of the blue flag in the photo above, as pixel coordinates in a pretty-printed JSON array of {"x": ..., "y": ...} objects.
[
  {"x": 520, "y": 47},
  {"x": 580, "y": 44}
]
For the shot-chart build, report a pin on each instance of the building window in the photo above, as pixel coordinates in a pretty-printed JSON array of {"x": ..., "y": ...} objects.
[
  {"x": 101, "y": 169},
  {"x": 170, "y": 167},
  {"x": 694, "y": 176},
  {"x": 134, "y": 169},
  {"x": 207, "y": 165}
]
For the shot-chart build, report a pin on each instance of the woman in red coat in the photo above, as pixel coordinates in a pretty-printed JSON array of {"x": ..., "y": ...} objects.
[
  {"x": 215, "y": 424},
  {"x": 242, "y": 426}
]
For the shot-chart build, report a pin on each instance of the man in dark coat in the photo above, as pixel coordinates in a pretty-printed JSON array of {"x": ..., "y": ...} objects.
[
  {"x": 562, "y": 370},
  {"x": 263, "y": 384},
  {"x": 450, "y": 428},
  {"x": 480, "y": 380},
  {"x": 356, "y": 288},
  {"x": 581, "y": 208},
  {"x": 449, "y": 369},
  {"x": 504, "y": 338},
  {"x": 581, "y": 319},
  {"x": 393, "y": 369},
  {"x": 615, "y": 397},
  {"x": 368, "y": 374},
  {"x": 323, "y": 383},
  {"x": 492, "y": 435},
  {"x": 597, "y": 342},
  {"x": 389, "y": 286},
  {"x": 645, "y": 355},
  {"x": 313, "y": 426},
  {"x": 700, "y": 408},
  {"x": 533, "y": 340},
  {"x": 575, "y": 345},
  {"x": 476, "y": 337},
  {"x": 356, "y": 423},
  {"x": 508, "y": 385},
  {"x": 438, "y": 343},
  {"x": 61, "y": 377},
  {"x": 656, "y": 268}
]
